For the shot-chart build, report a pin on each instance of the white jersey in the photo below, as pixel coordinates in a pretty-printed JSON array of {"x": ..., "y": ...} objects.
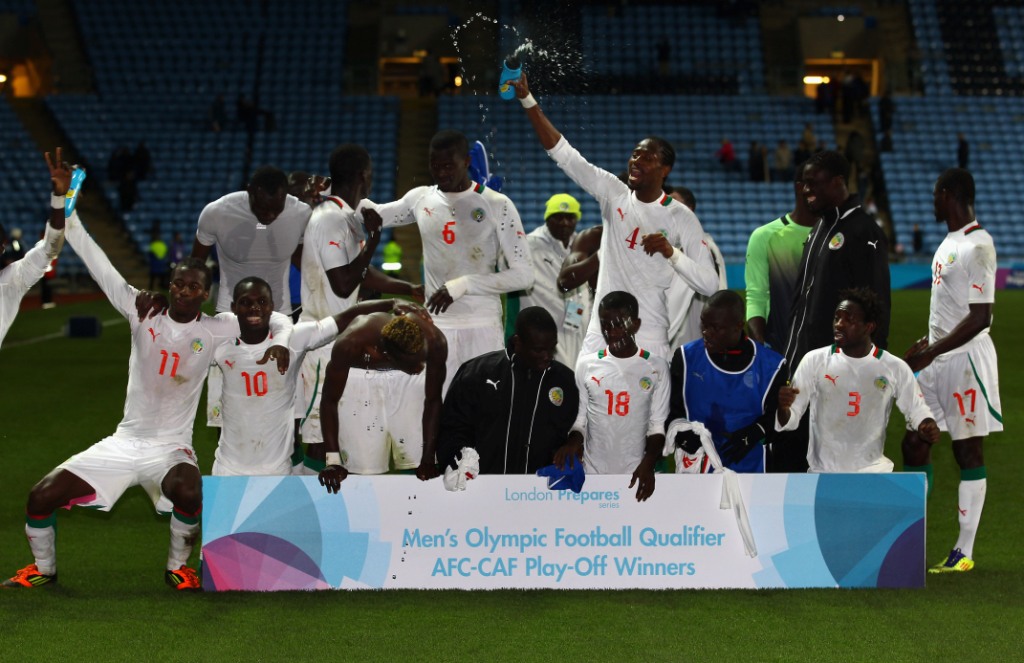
[
  {"x": 169, "y": 360},
  {"x": 465, "y": 235},
  {"x": 246, "y": 247},
  {"x": 622, "y": 402},
  {"x": 258, "y": 429},
  {"x": 852, "y": 399},
  {"x": 963, "y": 273},
  {"x": 333, "y": 239},
  {"x": 19, "y": 276},
  {"x": 685, "y": 305},
  {"x": 624, "y": 265},
  {"x": 571, "y": 310}
]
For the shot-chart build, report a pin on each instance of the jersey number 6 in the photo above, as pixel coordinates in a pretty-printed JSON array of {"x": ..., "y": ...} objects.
[{"x": 448, "y": 235}]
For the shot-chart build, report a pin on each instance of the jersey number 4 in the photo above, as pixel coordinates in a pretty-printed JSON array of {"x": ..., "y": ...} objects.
[
  {"x": 631, "y": 240},
  {"x": 255, "y": 385},
  {"x": 618, "y": 404}
]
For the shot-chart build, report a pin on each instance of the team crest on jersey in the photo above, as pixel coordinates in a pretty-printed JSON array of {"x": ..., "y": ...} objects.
[
  {"x": 478, "y": 214},
  {"x": 951, "y": 258},
  {"x": 881, "y": 384},
  {"x": 836, "y": 242},
  {"x": 646, "y": 384},
  {"x": 556, "y": 396},
  {"x": 197, "y": 346}
]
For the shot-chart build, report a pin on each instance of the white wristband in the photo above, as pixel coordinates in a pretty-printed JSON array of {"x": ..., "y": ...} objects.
[
  {"x": 333, "y": 458},
  {"x": 56, "y": 202},
  {"x": 528, "y": 101}
]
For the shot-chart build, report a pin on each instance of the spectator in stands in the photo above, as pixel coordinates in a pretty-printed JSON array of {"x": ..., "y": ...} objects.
[
  {"x": 247, "y": 114},
  {"x": 808, "y": 139},
  {"x": 726, "y": 156},
  {"x": 128, "y": 192},
  {"x": 664, "y": 51},
  {"x": 756, "y": 158},
  {"x": 917, "y": 240},
  {"x": 886, "y": 145},
  {"x": 727, "y": 382},
  {"x": 142, "y": 161},
  {"x": 120, "y": 164},
  {"x": 963, "y": 151},
  {"x": 886, "y": 111},
  {"x": 782, "y": 163},
  {"x": 514, "y": 406},
  {"x": 217, "y": 116},
  {"x": 549, "y": 247},
  {"x": 178, "y": 251},
  {"x": 157, "y": 260},
  {"x": 433, "y": 77}
]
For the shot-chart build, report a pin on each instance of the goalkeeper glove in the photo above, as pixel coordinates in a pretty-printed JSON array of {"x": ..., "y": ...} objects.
[{"x": 740, "y": 443}]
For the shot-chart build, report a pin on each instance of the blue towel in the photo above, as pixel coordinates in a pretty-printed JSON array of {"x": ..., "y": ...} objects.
[{"x": 571, "y": 478}]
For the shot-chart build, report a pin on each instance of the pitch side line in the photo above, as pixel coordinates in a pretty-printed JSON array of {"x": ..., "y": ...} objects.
[{"x": 50, "y": 337}]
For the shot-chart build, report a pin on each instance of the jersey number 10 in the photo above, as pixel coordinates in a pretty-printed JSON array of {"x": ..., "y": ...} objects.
[{"x": 255, "y": 385}]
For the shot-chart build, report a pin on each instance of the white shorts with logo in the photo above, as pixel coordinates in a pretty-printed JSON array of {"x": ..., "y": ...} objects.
[
  {"x": 380, "y": 419},
  {"x": 962, "y": 390},
  {"x": 465, "y": 343},
  {"x": 115, "y": 464},
  {"x": 214, "y": 388},
  {"x": 311, "y": 383}
]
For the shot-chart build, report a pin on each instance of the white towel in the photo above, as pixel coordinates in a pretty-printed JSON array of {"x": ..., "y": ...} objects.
[
  {"x": 731, "y": 496},
  {"x": 466, "y": 470}
]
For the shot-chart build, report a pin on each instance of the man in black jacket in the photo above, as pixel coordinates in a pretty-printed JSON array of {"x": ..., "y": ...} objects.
[
  {"x": 846, "y": 249},
  {"x": 514, "y": 406}
]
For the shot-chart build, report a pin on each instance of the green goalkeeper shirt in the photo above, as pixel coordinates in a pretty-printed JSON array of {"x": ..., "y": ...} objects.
[{"x": 772, "y": 274}]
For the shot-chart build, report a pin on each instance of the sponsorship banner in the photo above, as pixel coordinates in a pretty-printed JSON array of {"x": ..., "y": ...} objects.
[{"x": 396, "y": 532}]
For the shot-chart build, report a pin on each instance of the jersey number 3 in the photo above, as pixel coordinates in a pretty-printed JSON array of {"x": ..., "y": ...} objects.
[{"x": 854, "y": 404}]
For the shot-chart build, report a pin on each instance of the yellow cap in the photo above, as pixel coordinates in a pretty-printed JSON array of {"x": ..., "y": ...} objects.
[{"x": 562, "y": 203}]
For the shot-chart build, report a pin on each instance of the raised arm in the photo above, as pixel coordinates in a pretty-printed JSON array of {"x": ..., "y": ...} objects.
[{"x": 546, "y": 132}]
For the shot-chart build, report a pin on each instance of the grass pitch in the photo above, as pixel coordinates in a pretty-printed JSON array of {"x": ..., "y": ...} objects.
[{"x": 59, "y": 395}]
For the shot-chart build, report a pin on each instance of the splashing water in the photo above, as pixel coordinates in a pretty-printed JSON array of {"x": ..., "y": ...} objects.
[{"x": 559, "y": 62}]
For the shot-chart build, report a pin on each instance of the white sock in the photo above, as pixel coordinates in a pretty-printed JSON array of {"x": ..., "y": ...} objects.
[
  {"x": 183, "y": 538},
  {"x": 971, "y": 496},
  {"x": 43, "y": 543}
]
